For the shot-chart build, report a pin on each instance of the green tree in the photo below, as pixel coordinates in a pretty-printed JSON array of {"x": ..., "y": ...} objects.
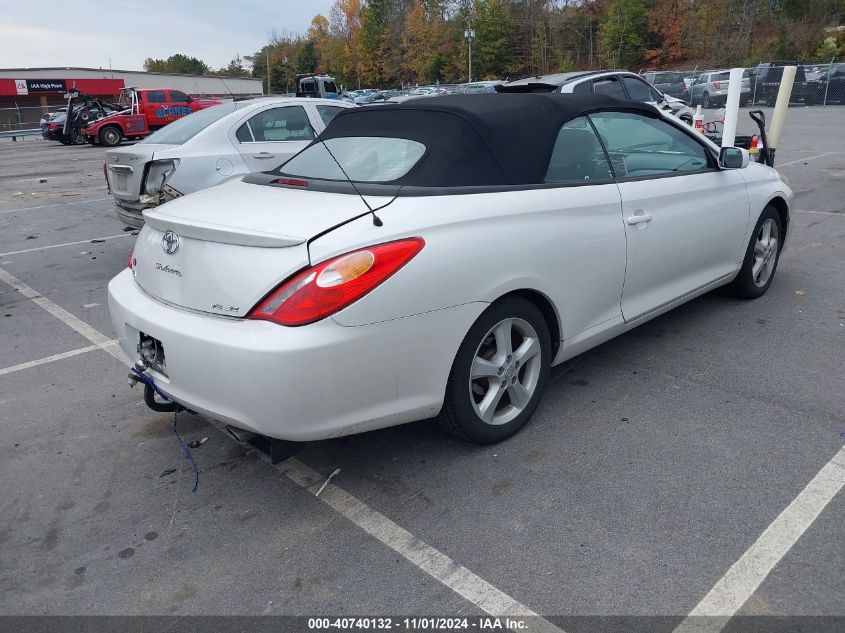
[
  {"x": 177, "y": 63},
  {"x": 306, "y": 58},
  {"x": 623, "y": 32},
  {"x": 235, "y": 68},
  {"x": 372, "y": 40}
]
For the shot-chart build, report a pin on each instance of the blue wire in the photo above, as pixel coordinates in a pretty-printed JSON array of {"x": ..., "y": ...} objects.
[
  {"x": 147, "y": 380},
  {"x": 190, "y": 457}
]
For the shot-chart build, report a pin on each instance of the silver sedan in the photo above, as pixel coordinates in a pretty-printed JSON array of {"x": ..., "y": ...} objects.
[{"x": 205, "y": 148}]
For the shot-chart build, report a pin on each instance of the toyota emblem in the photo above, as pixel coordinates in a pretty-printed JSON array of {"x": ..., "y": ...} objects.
[{"x": 170, "y": 242}]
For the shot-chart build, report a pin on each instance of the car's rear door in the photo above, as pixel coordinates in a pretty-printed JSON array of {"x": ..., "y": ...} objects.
[
  {"x": 685, "y": 219},
  {"x": 272, "y": 135}
]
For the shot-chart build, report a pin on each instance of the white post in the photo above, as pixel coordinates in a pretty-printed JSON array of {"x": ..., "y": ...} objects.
[
  {"x": 782, "y": 103},
  {"x": 732, "y": 107}
]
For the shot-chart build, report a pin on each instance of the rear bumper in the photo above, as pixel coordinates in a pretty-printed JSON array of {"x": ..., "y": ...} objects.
[
  {"x": 130, "y": 212},
  {"x": 306, "y": 383}
]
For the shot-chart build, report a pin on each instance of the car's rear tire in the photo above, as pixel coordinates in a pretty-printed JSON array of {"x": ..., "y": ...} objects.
[
  {"x": 110, "y": 136},
  {"x": 499, "y": 373},
  {"x": 705, "y": 102},
  {"x": 761, "y": 256},
  {"x": 77, "y": 136}
]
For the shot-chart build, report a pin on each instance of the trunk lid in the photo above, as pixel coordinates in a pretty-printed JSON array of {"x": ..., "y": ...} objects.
[
  {"x": 125, "y": 168},
  {"x": 233, "y": 243}
]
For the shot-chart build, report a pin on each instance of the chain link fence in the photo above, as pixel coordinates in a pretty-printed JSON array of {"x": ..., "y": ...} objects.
[
  {"x": 27, "y": 117},
  {"x": 816, "y": 84}
]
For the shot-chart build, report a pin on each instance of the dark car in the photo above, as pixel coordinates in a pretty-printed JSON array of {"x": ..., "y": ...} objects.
[
  {"x": 53, "y": 125},
  {"x": 766, "y": 78},
  {"x": 829, "y": 85},
  {"x": 668, "y": 82}
]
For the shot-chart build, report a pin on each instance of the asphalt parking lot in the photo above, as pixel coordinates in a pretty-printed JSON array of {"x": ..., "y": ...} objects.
[{"x": 654, "y": 464}]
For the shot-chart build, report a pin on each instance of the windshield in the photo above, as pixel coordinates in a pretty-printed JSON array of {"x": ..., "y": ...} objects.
[
  {"x": 364, "y": 159},
  {"x": 187, "y": 127}
]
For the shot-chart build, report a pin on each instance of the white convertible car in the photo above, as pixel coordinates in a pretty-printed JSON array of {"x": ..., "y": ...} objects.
[
  {"x": 493, "y": 238},
  {"x": 209, "y": 146}
]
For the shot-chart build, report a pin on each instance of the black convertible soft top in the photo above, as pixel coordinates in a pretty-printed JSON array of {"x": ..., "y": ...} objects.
[{"x": 476, "y": 140}]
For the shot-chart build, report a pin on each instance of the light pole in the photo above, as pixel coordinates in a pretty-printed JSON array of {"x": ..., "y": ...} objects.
[{"x": 469, "y": 34}]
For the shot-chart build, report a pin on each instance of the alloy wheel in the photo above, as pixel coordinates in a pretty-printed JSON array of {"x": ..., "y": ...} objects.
[
  {"x": 505, "y": 371},
  {"x": 765, "y": 253}
]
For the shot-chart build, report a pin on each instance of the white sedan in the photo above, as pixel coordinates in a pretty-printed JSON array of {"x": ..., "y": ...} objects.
[
  {"x": 211, "y": 145},
  {"x": 493, "y": 238}
]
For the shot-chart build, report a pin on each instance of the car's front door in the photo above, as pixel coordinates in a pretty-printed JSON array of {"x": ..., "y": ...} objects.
[
  {"x": 588, "y": 264},
  {"x": 272, "y": 136},
  {"x": 155, "y": 108},
  {"x": 685, "y": 219}
]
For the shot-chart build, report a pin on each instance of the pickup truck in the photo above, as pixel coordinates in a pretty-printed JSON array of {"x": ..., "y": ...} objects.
[{"x": 141, "y": 113}]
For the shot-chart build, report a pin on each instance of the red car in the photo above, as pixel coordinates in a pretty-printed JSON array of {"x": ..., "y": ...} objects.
[{"x": 143, "y": 112}]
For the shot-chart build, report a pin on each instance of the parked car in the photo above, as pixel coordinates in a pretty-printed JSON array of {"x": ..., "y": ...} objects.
[
  {"x": 619, "y": 84},
  {"x": 492, "y": 239},
  {"x": 829, "y": 86},
  {"x": 710, "y": 89},
  {"x": 668, "y": 82},
  {"x": 316, "y": 86},
  {"x": 765, "y": 82},
  {"x": 479, "y": 87},
  {"x": 209, "y": 146}
]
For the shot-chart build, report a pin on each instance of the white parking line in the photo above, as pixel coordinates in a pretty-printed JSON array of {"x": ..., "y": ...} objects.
[
  {"x": 744, "y": 577},
  {"x": 44, "y": 248},
  {"x": 58, "y": 204},
  {"x": 804, "y": 160},
  {"x": 818, "y": 212},
  {"x": 96, "y": 337},
  {"x": 53, "y": 358},
  {"x": 457, "y": 577}
]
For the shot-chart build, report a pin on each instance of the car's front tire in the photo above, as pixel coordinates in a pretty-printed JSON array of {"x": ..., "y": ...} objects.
[
  {"x": 499, "y": 373},
  {"x": 761, "y": 256}
]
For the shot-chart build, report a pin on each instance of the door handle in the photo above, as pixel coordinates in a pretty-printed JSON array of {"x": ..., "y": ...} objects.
[
  {"x": 639, "y": 217},
  {"x": 263, "y": 155}
]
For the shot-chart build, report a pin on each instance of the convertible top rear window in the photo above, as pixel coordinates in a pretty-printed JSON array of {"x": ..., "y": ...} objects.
[
  {"x": 450, "y": 141},
  {"x": 364, "y": 159}
]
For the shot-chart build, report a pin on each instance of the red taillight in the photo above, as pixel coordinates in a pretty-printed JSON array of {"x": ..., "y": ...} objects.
[
  {"x": 326, "y": 288},
  {"x": 292, "y": 182},
  {"x": 54, "y": 126},
  {"x": 130, "y": 262},
  {"x": 716, "y": 85}
]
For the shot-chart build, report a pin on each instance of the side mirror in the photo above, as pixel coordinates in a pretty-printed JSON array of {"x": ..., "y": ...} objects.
[{"x": 733, "y": 158}]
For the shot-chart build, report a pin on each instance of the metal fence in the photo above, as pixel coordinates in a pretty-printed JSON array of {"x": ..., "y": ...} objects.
[
  {"x": 816, "y": 84},
  {"x": 26, "y": 117}
]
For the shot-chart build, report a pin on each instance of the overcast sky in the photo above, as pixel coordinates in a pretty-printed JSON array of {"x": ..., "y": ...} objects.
[{"x": 89, "y": 32}]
